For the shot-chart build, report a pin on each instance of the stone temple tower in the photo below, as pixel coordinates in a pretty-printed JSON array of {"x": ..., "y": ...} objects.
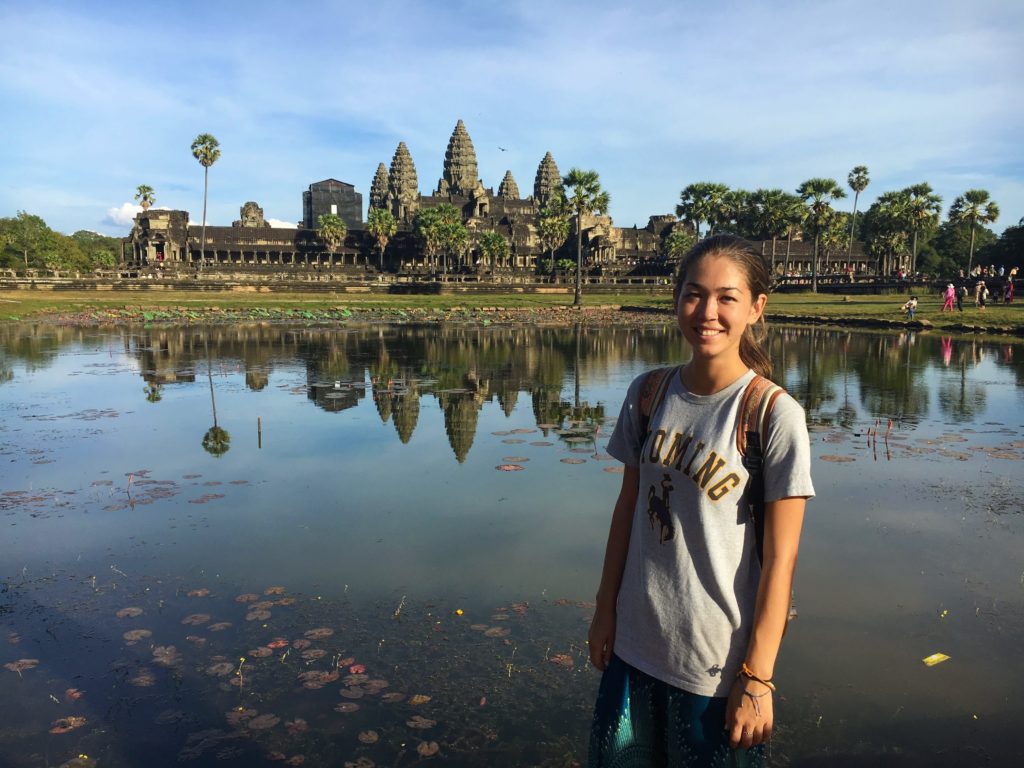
[
  {"x": 403, "y": 186},
  {"x": 508, "y": 189},
  {"x": 379, "y": 188},
  {"x": 548, "y": 181},
  {"x": 460, "y": 169}
]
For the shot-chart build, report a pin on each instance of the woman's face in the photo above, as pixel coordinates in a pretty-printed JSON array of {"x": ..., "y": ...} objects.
[{"x": 714, "y": 306}]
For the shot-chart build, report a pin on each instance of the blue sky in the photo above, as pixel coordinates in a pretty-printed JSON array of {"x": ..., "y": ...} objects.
[{"x": 99, "y": 97}]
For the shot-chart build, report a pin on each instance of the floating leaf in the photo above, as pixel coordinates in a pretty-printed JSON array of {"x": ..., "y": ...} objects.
[
  {"x": 66, "y": 724},
  {"x": 369, "y": 737},
  {"x": 21, "y": 665},
  {"x": 203, "y": 592},
  {"x": 427, "y": 748},
  {"x": 129, "y": 613},
  {"x": 420, "y": 723},
  {"x": 262, "y": 722},
  {"x": 562, "y": 660},
  {"x": 195, "y": 619},
  {"x": 134, "y": 635},
  {"x": 418, "y": 699},
  {"x": 510, "y": 467},
  {"x": 346, "y": 707},
  {"x": 837, "y": 459},
  {"x": 319, "y": 634},
  {"x": 497, "y": 632},
  {"x": 569, "y": 460}
]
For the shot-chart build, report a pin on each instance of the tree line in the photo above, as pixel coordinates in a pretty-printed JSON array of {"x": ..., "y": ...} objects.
[{"x": 903, "y": 229}]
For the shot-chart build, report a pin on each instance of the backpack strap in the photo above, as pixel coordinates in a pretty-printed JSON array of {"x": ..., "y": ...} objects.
[
  {"x": 755, "y": 410},
  {"x": 652, "y": 392}
]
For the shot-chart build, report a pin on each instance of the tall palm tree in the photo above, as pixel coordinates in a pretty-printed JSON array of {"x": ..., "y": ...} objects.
[
  {"x": 702, "y": 201},
  {"x": 145, "y": 195},
  {"x": 818, "y": 194},
  {"x": 217, "y": 440},
  {"x": 584, "y": 197},
  {"x": 858, "y": 180},
  {"x": 973, "y": 207},
  {"x": 205, "y": 149},
  {"x": 923, "y": 210},
  {"x": 382, "y": 227}
]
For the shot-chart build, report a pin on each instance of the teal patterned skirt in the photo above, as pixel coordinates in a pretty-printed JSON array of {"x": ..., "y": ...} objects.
[{"x": 640, "y": 722}]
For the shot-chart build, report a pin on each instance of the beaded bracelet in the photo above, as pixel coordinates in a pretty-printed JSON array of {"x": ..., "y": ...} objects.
[{"x": 748, "y": 673}]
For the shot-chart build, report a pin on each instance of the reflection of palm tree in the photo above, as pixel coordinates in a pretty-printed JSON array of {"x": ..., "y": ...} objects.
[{"x": 216, "y": 441}]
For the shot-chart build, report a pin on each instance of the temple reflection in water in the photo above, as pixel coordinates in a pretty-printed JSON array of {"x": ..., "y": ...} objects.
[{"x": 840, "y": 376}]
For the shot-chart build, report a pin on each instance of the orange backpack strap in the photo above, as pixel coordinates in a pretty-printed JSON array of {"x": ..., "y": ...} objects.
[
  {"x": 751, "y": 428},
  {"x": 652, "y": 392},
  {"x": 755, "y": 411}
]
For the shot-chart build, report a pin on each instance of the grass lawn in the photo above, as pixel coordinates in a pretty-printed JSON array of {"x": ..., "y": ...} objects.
[{"x": 24, "y": 304}]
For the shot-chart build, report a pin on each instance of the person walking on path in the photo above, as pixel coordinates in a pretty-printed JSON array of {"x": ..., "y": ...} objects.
[
  {"x": 689, "y": 619},
  {"x": 961, "y": 294},
  {"x": 949, "y": 296}
]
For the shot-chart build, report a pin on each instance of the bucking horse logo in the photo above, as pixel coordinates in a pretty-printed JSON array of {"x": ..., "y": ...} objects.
[{"x": 658, "y": 507}]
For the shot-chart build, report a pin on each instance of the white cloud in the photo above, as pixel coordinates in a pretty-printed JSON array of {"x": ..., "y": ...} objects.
[
  {"x": 123, "y": 215},
  {"x": 282, "y": 224}
]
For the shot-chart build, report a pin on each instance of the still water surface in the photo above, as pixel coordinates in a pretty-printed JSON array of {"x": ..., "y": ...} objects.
[{"x": 347, "y": 530}]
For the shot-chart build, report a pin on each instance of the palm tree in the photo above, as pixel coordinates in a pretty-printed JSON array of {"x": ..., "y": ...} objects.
[
  {"x": 923, "y": 210},
  {"x": 887, "y": 224},
  {"x": 145, "y": 195},
  {"x": 702, "y": 201},
  {"x": 586, "y": 199},
  {"x": 217, "y": 440},
  {"x": 768, "y": 215},
  {"x": 794, "y": 214},
  {"x": 553, "y": 225},
  {"x": 494, "y": 248},
  {"x": 973, "y": 207},
  {"x": 331, "y": 230},
  {"x": 205, "y": 149},
  {"x": 817, "y": 194},
  {"x": 858, "y": 180},
  {"x": 441, "y": 231},
  {"x": 382, "y": 226}
]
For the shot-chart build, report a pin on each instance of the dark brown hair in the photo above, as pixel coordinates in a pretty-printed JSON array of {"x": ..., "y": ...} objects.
[{"x": 744, "y": 255}]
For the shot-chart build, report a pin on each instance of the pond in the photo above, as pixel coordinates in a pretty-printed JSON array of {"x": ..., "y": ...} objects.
[{"x": 378, "y": 545}]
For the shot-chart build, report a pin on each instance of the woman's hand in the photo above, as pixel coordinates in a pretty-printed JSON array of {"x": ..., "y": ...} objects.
[
  {"x": 749, "y": 714},
  {"x": 601, "y": 638}
]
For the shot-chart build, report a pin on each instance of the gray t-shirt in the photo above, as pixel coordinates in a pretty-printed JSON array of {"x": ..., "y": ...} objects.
[{"x": 685, "y": 608}]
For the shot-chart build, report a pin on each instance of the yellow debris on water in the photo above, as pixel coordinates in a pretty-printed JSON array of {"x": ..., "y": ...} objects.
[{"x": 935, "y": 658}]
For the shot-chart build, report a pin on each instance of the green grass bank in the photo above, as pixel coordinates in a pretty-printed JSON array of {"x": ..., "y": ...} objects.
[{"x": 201, "y": 306}]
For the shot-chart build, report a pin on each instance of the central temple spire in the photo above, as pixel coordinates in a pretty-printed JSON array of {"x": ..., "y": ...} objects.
[{"x": 460, "y": 169}]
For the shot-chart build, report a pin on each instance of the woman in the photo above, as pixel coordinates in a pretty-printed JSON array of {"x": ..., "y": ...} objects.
[
  {"x": 688, "y": 621},
  {"x": 949, "y": 297}
]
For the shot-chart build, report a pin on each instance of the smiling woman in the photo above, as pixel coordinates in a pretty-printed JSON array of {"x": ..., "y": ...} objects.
[{"x": 690, "y": 613}]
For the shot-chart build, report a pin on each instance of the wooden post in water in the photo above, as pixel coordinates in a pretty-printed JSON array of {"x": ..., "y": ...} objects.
[{"x": 259, "y": 432}]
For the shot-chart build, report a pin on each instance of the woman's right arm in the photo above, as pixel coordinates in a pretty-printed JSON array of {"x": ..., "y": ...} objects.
[{"x": 602, "y": 628}]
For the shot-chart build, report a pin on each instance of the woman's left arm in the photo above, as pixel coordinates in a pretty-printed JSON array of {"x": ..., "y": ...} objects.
[{"x": 749, "y": 715}]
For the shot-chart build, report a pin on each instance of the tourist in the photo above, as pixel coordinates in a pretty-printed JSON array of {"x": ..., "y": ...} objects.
[
  {"x": 980, "y": 294},
  {"x": 961, "y": 294},
  {"x": 948, "y": 298},
  {"x": 688, "y": 620},
  {"x": 910, "y": 307}
]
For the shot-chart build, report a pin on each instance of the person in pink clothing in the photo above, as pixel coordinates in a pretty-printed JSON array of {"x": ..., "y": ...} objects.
[{"x": 950, "y": 298}]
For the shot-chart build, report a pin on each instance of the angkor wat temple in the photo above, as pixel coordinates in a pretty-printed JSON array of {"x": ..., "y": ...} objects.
[{"x": 166, "y": 238}]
